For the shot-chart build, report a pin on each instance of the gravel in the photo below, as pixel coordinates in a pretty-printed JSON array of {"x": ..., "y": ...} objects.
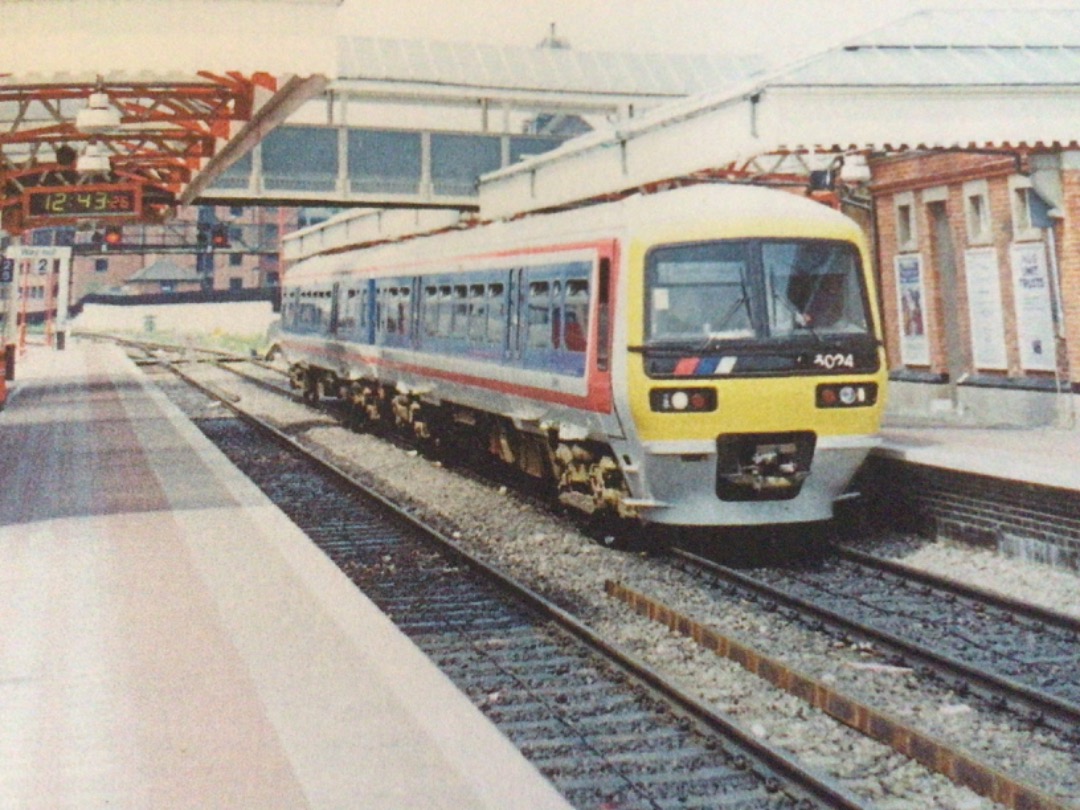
[{"x": 548, "y": 552}]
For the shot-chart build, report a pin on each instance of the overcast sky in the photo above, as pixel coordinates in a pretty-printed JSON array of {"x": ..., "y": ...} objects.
[{"x": 777, "y": 29}]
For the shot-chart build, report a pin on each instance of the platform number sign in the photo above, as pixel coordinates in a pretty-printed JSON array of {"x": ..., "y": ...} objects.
[{"x": 7, "y": 271}]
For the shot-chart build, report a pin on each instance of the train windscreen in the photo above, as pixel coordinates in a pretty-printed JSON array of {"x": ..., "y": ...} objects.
[{"x": 754, "y": 289}]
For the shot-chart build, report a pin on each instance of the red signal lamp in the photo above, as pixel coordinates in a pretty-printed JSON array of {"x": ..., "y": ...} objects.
[
  {"x": 114, "y": 235},
  {"x": 219, "y": 238}
]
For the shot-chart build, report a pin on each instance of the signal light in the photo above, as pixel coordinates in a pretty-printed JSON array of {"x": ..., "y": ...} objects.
[
  {"x": 220, "y": 236},
  {"x": 114, "y": 235}
]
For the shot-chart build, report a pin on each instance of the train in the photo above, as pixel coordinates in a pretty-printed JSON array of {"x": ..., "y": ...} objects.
[{"x": 705, "y": 356}]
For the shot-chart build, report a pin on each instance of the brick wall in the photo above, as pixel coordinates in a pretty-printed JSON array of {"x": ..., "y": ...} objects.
[
  {"x": 1018, "y": 519},
  {"x": 1069, "y": 268},
  {"x": 914, "y": 175}
]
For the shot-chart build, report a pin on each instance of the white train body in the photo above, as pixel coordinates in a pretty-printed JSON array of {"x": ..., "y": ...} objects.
[{"x": 550, "y": 339}]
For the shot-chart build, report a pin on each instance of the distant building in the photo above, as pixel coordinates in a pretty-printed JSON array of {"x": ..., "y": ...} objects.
[
  {"x": 205, "y": 247},
  {"x": 163, "y": 276}
]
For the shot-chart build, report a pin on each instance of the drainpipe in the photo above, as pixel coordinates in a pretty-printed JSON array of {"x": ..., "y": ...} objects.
[{"x": 1047, "y": 207}]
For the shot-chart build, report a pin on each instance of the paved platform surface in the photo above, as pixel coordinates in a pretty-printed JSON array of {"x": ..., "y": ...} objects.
[
  {"x": 169, "y": 639},
  {"x": 1043, "y": 456}
]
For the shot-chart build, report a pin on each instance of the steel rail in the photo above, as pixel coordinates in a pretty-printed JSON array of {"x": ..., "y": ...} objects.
[
  {"x": 1061, "y": 714},
  {"x": 802, "y": 779},
  {"x": 1007, "y": 603},
  {"x": 959, "y": 766}
]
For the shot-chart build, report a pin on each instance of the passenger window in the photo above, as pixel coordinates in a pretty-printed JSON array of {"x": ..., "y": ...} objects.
[
  {"x": 496, "y": 323},
  {"x": 460, "y": 323},
  {"x": 446, "y": 312},
  {"x": 431, "y": 310},
  {"x": 402, "y": 310},
  {"x": 539, "y": 315},
  {"x": 477, "y": 313},
  {"x": 577, "y": 315},
  {"x": 556, "y": 314}
]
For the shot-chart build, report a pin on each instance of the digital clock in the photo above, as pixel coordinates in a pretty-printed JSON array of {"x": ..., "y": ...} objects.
[{"x": 75, "y": 201}]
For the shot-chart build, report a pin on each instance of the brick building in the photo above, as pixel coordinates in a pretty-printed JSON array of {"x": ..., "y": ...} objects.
[
  {"x": 980, "y": 282},
  {"x": 246, "y": 258}
]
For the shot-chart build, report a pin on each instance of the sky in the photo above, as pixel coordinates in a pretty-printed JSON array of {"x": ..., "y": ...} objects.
[{"x": 780, "y": 30}]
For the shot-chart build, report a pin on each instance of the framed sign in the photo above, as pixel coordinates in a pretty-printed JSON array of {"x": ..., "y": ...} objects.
[
  {"x": 911, "y": 295},
  {"x": 987, "y": 317},
  {"x": 1034, "y": 307}
]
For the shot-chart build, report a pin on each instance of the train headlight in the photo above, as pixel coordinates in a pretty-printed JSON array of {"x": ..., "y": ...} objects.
[
  {"x": 682, "y": 400},
  {"x": 846, "y": 395}
]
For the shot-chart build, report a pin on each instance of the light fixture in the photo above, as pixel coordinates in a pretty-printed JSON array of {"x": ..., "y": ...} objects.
[
  {"x": 855, "y": 170},
  {"x": 98, "y": 115},
  {"x": 94, "y": 159}
]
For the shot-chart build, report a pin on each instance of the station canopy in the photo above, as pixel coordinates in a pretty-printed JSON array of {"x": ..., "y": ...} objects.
[
  {"x": 975, "y": 80},
  {"x": 111, "y": 107}
]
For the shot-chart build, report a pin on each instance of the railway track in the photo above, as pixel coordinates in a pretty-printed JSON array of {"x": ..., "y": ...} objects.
[
  {"x": 608, "y": 731},
  {"x": 955, "y": 764},
  {"x": 880, "y": 725},
  {"x": 1010, "y": 654}
]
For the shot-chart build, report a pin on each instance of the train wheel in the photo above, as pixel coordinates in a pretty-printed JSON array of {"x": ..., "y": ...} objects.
[
  {"x": 312, "y": 389},
  {"x": 618, "y": 534}
]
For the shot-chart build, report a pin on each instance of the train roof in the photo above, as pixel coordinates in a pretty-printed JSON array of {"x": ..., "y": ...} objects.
[{"x": 740, "y": 206}]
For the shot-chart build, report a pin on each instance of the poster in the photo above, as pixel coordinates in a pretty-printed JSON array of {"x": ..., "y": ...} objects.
[
  {"x": 987, "y": 317},
  {"x": 911, "y": 291},
  {"x": 1034, "y": 307}
]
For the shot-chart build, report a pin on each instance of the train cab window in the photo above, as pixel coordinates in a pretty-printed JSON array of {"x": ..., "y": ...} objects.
[
  {"x": 813, "y": 286},
  {"x": 755, "y": 288},
  {"x": 700, "y": 291},
  {"x": 538, "y": 319},
  {"x": 576, "y": 315}
]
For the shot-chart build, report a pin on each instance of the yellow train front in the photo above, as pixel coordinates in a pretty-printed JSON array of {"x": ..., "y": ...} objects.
[{"x": 752, "y": 366}]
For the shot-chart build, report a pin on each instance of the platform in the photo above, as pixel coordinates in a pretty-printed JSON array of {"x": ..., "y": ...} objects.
[
  {"x": 1044, "y": 456},
  {"x": 169, "y": 639}
]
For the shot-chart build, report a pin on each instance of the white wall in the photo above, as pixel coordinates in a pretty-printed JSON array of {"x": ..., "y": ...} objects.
[{"x": 245, "y": 318}]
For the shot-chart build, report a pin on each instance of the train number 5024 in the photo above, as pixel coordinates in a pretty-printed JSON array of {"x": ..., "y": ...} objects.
[{"x": 837, "y": 360}]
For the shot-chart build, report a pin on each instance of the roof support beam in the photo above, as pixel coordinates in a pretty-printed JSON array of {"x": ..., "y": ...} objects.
[{"x": 295, "y": 92}]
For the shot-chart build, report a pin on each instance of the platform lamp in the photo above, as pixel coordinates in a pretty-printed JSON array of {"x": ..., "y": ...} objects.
[
  {"x": 95, "y": 159},
  {"x": 98, "y": 116}
]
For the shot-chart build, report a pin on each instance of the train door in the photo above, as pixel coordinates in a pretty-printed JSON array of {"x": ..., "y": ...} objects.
[
  {"x": 335, "y": 309},
  {"x": 515, "y": 303},
  {"x": 414, "y": 313},
  {"x": 603, "y": 314},
  {"x": 369, "y": 311}
]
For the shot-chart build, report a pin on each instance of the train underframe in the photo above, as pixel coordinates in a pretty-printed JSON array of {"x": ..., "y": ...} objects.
[{"x": 582, "y": 474}]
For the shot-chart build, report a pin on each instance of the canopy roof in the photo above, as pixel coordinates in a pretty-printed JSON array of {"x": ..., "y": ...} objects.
[
  {"x": 163, "y": 270},
  {"x": 986, "y": 79}
]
